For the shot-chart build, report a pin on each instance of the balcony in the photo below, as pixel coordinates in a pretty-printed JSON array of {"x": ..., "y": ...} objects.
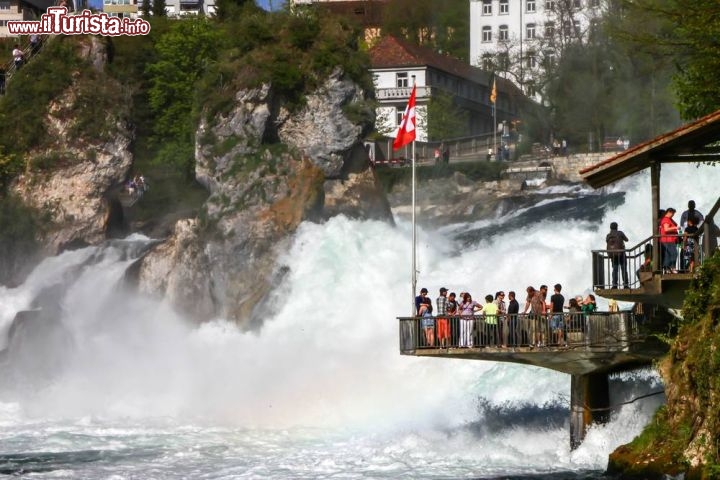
[
  {"x": 573, "y": 343},
  {"x": 401, "y": 93},
  {"x": 646, "y": 281}
]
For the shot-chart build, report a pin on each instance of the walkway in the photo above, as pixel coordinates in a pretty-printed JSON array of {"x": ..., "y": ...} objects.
[{"x": 602, "y": 341}]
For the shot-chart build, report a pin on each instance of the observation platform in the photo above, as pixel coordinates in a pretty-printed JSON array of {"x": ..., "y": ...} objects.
[{"x": 582, "y": 344}]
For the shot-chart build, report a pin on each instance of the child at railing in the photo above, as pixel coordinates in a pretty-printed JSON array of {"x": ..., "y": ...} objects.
[{"x": 689, "y": 245}]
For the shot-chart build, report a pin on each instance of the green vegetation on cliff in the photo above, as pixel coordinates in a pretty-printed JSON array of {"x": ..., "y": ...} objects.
[{"x": 684, "y": 435}]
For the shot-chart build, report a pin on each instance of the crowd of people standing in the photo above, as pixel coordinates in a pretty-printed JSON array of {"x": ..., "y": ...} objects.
[{"x": 463, "y": 322}]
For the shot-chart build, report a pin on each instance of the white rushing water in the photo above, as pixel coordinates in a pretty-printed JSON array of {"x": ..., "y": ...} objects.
[{"x": 133, "y": 390}]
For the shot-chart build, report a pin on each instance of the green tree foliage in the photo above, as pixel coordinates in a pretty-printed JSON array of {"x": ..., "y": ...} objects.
[
  {"x": 145, "y": 8},
  {"x": 685, "y": 35},
  {"x": 442, "y": 25},
  {"x": 230, "y": 9},
  {"x": 604, "y": 86},
  {"x": 445, "y": 119},
  {"x": 293, "y": 50},
  {"x": 28, "y": 95},
  {"x": 158, "y": 8},
  {"x": 182, "y": 55}
]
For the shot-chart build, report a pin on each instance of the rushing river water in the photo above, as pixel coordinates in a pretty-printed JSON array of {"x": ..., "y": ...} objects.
[{"x": 100, "y": 382}]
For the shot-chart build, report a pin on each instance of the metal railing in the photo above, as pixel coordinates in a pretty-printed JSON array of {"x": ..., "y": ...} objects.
[
  {"x": 8, "y": 69},
  {"x": 608, "y": 331},
  {"x": 637, "y": 262}
]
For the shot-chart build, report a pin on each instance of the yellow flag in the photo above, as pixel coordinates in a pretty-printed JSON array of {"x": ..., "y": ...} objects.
[{"x": 493, "y": 94}]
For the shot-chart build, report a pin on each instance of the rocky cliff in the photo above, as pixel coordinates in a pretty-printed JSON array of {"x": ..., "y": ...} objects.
[
  {"x": 267, "y": 169},
  {"x": 684, "y": 437},
  {"x": 72, "y": 173}
]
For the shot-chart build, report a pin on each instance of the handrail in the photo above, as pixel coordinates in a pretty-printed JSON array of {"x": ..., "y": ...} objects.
[
  {"x": 629, "y": 268},
  {"x": 10, "y": 68},
  {"x": 607, "y": 331}
]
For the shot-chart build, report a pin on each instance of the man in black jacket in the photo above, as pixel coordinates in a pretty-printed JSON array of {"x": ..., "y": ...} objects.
[{"x": 616, "y": 249}]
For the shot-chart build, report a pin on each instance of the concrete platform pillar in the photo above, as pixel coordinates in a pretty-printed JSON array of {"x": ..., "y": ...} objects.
[{"x": 589, "y": 402}]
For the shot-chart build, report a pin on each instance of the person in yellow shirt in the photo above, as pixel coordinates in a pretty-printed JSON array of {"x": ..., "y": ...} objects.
[{"x": 490, "y": 311}]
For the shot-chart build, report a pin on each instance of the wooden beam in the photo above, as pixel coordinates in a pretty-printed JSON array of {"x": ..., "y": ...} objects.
[{"x": 655, "y": 200}]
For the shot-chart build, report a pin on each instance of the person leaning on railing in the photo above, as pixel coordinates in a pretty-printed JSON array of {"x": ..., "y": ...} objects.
[{"x": 615, "y": 244}]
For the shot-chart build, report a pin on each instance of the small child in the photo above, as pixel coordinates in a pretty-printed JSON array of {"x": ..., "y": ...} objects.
[{"x": 690, "y": 237}]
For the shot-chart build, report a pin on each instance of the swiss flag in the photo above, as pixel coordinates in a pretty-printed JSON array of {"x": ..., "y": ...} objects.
[{"x": 406, "y": 132}]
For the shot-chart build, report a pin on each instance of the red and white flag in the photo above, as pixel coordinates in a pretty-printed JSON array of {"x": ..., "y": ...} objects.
[{"x": 406, "y": 132}]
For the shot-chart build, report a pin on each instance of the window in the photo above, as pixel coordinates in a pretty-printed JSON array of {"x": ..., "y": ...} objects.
[
  {"x": 549, "y": 5},
  {"x": 402, "y": 79},
  {"x": 530, "y": 30},
  {"x": 487, "y": 34},
  {"x": 487, "y": 7},
  {"x": 594, "y": 3},
  {"x": 503, "y": 60},
  {"x": 577, "y": 4},
  {"x": 504, "y": 7},
  {"x": 549, "y": 29},
  {"x": 399, "y": 112},
  {"x": 530, "y": 6},
  {"x": 503, "y": 33},
  {"x": 548, "y": 58},
  {"x": 530, "y": 60},
  {"x": 530, "y": 89},
  {"x": 487, "y": 61},
  {"x": 4, "y": 5}
]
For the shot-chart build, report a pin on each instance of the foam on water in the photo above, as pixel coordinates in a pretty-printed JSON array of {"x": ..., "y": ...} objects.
[{"x": 320, "y": 389}]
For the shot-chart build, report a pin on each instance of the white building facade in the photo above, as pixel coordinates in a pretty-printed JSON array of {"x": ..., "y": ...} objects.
[{"x": 517, "y": 38}]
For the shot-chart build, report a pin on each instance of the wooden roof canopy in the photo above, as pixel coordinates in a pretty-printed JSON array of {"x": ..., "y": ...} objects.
[{"x": 698, "y": 141}]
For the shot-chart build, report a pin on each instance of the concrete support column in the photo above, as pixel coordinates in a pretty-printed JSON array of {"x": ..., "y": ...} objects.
[{"x": 589, "y": 402}]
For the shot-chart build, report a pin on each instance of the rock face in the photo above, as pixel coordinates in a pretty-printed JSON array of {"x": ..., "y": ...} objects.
[
  {"x": 267, "y": 169},
  {"x": 80, "y": 172}
]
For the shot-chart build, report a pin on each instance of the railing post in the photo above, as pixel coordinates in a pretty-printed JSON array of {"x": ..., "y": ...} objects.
[{"x": 598, "y": 269}]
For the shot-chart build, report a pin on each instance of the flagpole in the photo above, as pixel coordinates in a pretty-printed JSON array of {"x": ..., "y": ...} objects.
[
  {"x": 406, "y": 134},
  {"x": 414, "y": 256},
  {"x": 414, "y": 233}
]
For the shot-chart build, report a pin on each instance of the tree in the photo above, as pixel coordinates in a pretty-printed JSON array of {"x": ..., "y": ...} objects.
[
  {"x": 145, "y": 8},
  {"x": 158, "y": 8},
  {"x": 686, "y": 33},
  {"x": 444, "y": 119},
  {"x": 441, "y": 25},
  {"x": 183, "y": 53}
]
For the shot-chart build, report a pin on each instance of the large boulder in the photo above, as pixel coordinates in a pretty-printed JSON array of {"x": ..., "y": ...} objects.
[{"x": 267, "y": 169}]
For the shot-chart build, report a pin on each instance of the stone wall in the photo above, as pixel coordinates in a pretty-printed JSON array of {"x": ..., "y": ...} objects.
[{"x": 564, "y": 167}]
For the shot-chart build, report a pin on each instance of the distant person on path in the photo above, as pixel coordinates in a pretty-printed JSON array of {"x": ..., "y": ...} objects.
[
  {"x": 437, "y": 156},
  {"x": 615, "y": 245},
  {"x": 513, "y": 310},
  {"x": 446, "y": 155},
  {"x": 564, "y": 147},
  {"x": 668, "y": 241},
  {"x": 34, "y": 43},
  {"x": 691, "y": 213},
  {"x": 443, "y": 323},
  {"x": 489, "y": 154},
  {"x": 18, "y": 57}
]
